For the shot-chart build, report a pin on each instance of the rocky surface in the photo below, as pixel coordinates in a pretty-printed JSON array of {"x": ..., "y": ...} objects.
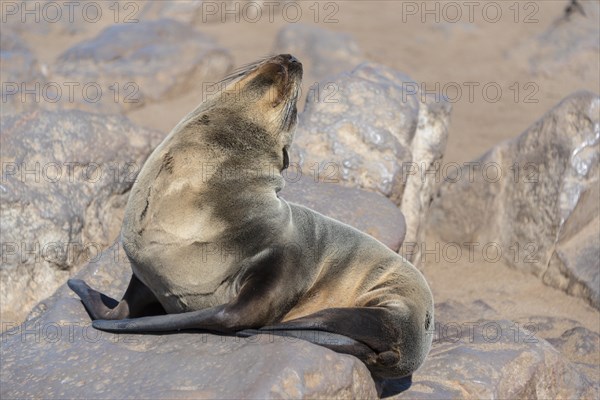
[
  {"x": 476, "y": 355},
  {"x": 324, "y": 53},
  {"x": 88, "y": 363},
  {"x": 371, "y": 128},
  {"x": 568, "y": 46},
  {"x": 65, "y": 177},
  {"x": 575, "y": 263},
  {"x": 473, "y": 356},
  {"x": 479, "y": 358},
  {"x": 20, "y": 70},
  {"x": 366, "y": 211},
  {"x": 129, "y": 65},
  {"x": 536, "y": 199},
  {"x": 578, "y": 344}
]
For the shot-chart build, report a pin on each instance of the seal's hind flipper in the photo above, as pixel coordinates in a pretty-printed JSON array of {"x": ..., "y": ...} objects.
[
  {"x": 97, "y": 304},
  {"x": 137, "y": 301},
  {"x": 333, "y": 341},
  {"x": 376, "y": 327},
  {"x": 207, "y": 319},
  {"x": 340, "y": 344},
  {"x": 386, "y": 338}
]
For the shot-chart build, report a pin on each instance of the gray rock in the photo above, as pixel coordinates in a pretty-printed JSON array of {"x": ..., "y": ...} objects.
[
  {"x": 128, "y": 65},
  {"x": 541, "y": 212},
  {"x": 88, "y": 363},
  {"x": 366, "y": 211},
  {"x": 478, "y": 359},
  {"x": 65, "y": 178},
  {"x": 20, "y": 69},
  {"x": 575, "y": 263},
  {"x": 548, "y": 327},
  {"x": 476, "y": 355},
  {"x": 377, "y": 132},
  {"x": 323, "y": 53},
  {"x": 582, "y": 347},
  {"x": 577, "y": 343},
  {"x": 456, "y": 312},
  {"x": 471, "y": 358},
  {"x": 568, "y": 46}
]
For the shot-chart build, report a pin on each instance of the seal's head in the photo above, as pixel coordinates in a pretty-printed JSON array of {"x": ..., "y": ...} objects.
[
  {"x": 253, "y": 113},
  {"x": 272, "y": 86}
]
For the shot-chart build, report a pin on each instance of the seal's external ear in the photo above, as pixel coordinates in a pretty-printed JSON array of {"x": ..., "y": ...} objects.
[{"x": 286, "y": 159}]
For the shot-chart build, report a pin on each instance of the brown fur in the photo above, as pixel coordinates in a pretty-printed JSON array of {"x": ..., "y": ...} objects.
[{"x": 209, "y": 237}]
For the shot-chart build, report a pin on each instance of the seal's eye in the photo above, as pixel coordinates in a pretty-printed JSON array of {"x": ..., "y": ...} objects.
[{"x": 286, "y": 159}]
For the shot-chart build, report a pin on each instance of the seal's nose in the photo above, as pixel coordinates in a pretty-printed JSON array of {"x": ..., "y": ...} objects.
[
  {"x": 288, "y": 58},
  {"x": 290, "y": 63}
]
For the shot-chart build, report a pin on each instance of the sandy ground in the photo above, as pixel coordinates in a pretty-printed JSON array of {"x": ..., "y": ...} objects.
[
  {"x": 514, "y": 295},
  {"x": 431, "y": 53}
]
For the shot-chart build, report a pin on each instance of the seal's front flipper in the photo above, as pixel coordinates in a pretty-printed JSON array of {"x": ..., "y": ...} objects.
[{"x": 137, "y": 301}]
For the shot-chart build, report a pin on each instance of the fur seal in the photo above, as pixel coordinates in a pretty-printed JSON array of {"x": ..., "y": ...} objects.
[{"x": 213, "y": 247}]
